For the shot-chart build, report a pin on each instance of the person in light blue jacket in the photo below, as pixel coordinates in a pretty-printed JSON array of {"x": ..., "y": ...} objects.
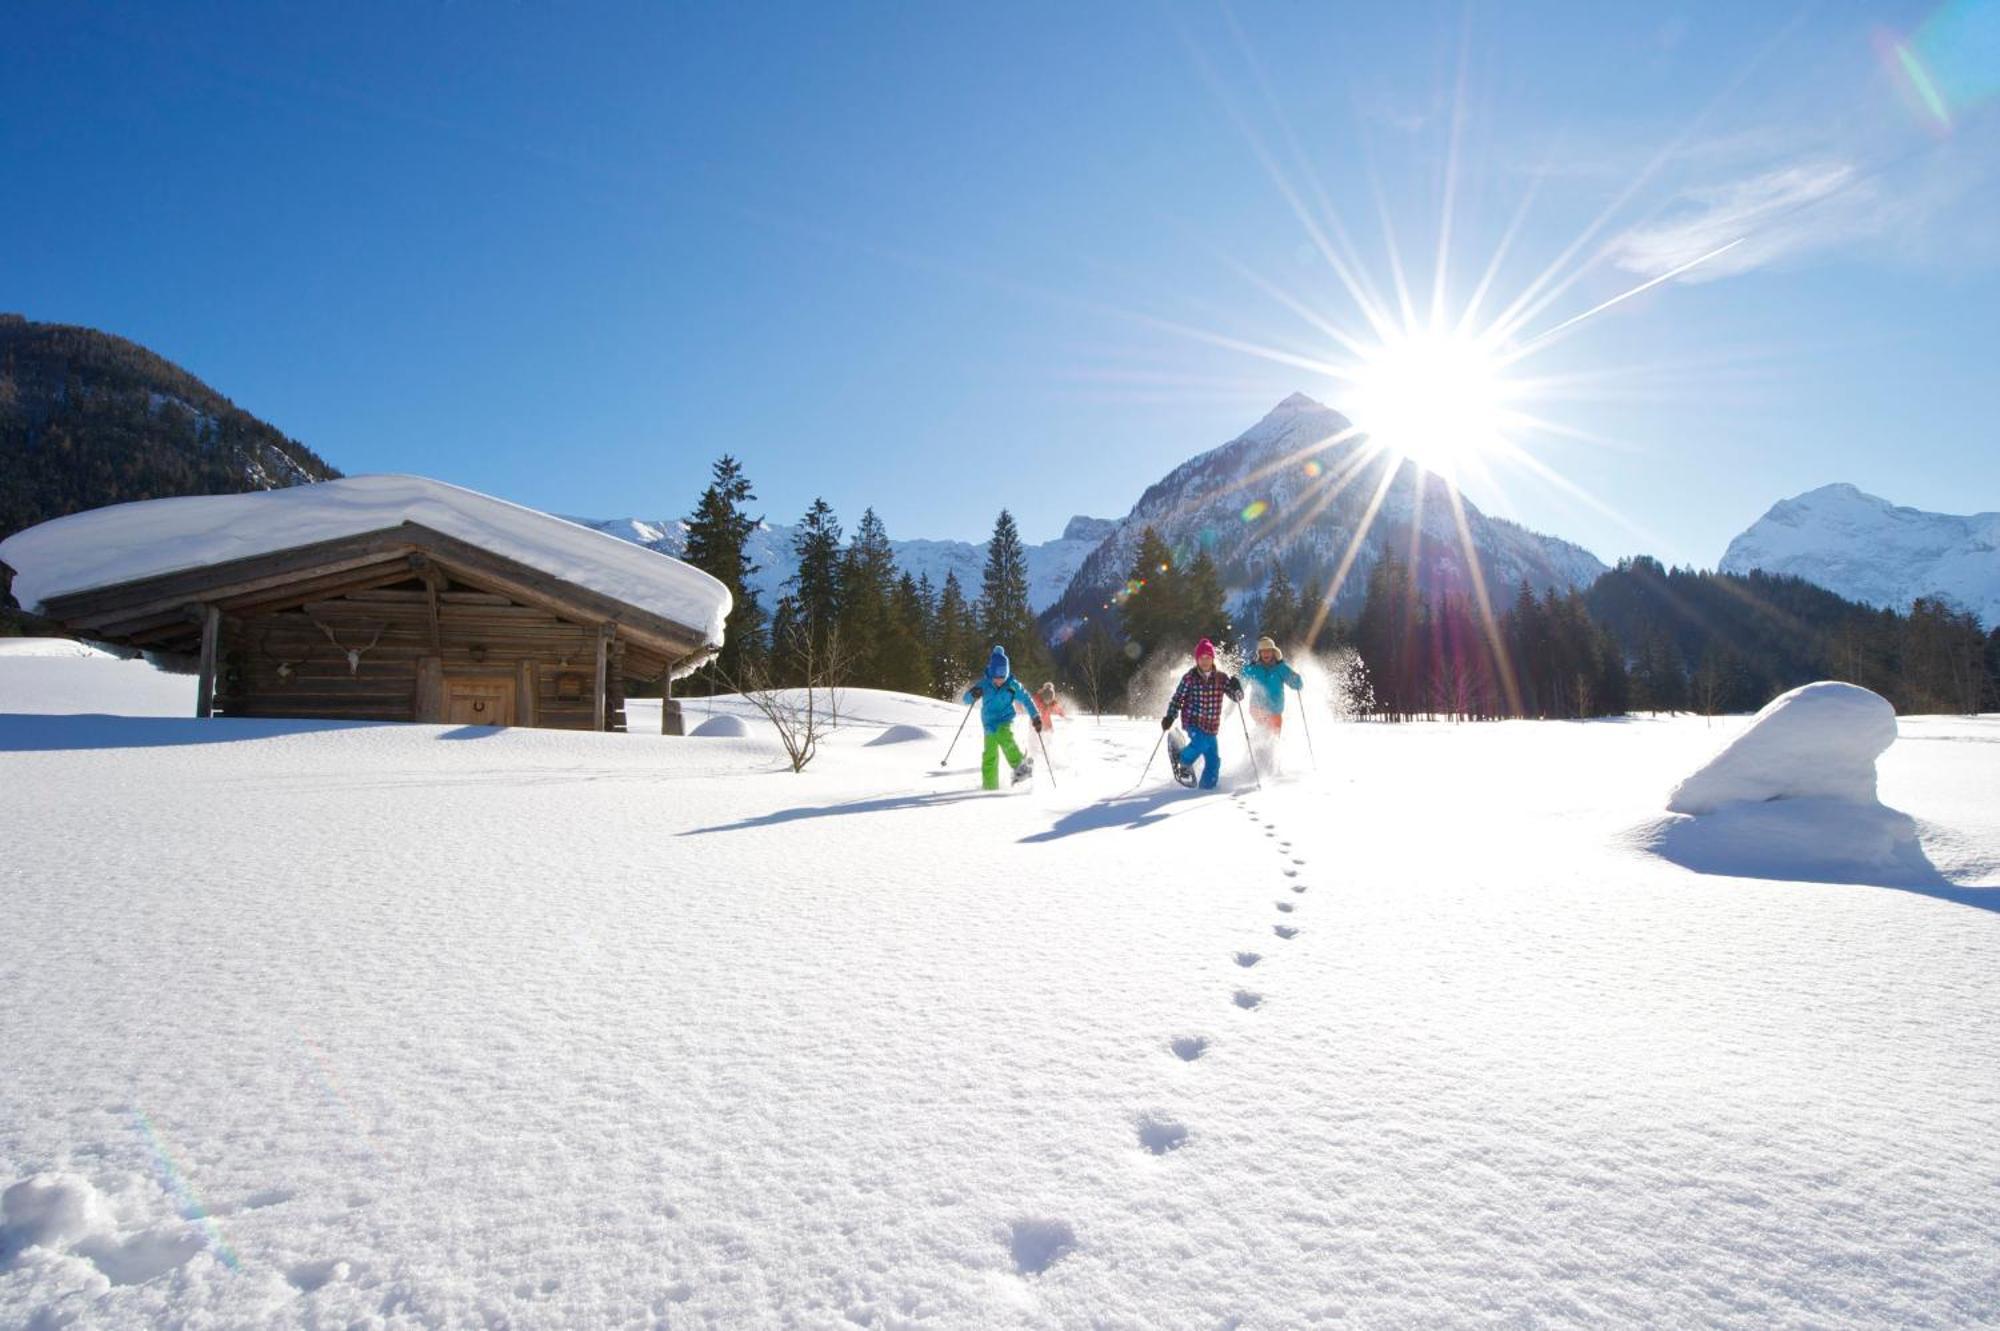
[
  {"x": 1269, "y": 677},
  {"x": 998, "y": 694}
]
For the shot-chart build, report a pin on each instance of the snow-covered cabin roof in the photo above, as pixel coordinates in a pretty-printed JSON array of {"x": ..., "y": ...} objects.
[{"x": 127, "y": 542}]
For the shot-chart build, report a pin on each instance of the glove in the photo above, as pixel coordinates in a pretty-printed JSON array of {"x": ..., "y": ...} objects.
[
  {"x": 1036, "y": 722},
  {"x": 1167, "y": 721},
  {"x": 1233, "y": 687}
]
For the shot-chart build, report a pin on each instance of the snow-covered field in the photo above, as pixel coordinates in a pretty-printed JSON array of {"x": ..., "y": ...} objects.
[{"x": 329, "y": 1025}]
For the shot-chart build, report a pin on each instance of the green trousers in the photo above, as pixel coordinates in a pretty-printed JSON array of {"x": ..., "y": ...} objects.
[{"x": 998, "y": 741}]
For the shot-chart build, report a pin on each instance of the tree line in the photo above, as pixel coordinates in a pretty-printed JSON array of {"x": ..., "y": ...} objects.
[
  {"x": 1642, "y": 638},
  {"x": 848, "y": 614}
]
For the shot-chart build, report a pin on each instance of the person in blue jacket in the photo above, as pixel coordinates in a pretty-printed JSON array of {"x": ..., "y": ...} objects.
[
  {"x": 998, "y": 694},
  {"x": 1268, "y": 677}
]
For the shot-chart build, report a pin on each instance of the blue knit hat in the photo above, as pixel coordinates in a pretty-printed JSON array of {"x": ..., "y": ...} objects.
[{"x": 997, "y": 664}]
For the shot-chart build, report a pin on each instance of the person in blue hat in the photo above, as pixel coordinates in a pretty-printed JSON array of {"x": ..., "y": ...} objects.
[{"x": 998, "y": 694}]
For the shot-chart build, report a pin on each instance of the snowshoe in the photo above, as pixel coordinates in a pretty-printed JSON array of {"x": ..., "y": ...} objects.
[
  {"x": 1025, "y": 770},
  {"x": 1183, "y": 772}
]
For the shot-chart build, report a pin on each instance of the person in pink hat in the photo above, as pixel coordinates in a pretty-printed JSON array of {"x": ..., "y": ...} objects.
[{"x": 1198, "y": 703}]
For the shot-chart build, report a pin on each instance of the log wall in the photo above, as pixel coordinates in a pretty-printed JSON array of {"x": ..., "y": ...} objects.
[{"x": 283, "y": 663}]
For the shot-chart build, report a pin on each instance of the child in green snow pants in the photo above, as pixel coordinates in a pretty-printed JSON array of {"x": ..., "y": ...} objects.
[{"x": 998, "y": 741}]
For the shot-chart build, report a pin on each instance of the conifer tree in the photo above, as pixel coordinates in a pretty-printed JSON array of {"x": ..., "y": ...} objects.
[
  {"x": 1387, "y": 634},
  {"x": 1004, "y": 615},
  {"x": 903, "y": 663},
  {"x": 1204, "y": 613},
  {"x": 1278, "y": 613},
  {"x": 718, "y": 537},
  {"x": 955, "y": 654},
  {"x": 1152, "y": 605},
  {"x": 867, "y": 585},
  {"x": 816, "y": 583}
]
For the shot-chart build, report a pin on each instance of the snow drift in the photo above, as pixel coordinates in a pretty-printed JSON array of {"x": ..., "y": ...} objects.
[
  {"x": 123, "y": 542},
  {"x": 61, "y": 649},
  {"x": 902, "y": 734},
  {"x": 1818, "y": 741},
  {"x": 54, "y": 676},
  {"x": 1793, "y": 797}
]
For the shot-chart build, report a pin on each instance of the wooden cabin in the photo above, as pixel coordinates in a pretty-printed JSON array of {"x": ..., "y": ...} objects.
[{"x": 406, "y": 622}]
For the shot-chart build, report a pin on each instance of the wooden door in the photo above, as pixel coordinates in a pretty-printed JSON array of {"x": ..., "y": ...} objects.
[{"x": 484, "y": 701}]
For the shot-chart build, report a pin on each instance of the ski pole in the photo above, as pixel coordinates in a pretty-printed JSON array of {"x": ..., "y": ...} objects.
[
  {"x": 956, "y": 733},
  {"x": 1307, "y": 727},
  {"x": 1149, "y": 757},
  {"x": 1039, "y": 739},
  {"x": 1249, "y": 747}
]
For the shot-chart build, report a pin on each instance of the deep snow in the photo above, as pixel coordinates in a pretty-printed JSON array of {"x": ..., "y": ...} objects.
[{"x": 316, "y": 1024}]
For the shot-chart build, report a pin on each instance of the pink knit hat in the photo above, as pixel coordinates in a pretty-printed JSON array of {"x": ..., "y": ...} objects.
[{"x": 1203, "y": 648}]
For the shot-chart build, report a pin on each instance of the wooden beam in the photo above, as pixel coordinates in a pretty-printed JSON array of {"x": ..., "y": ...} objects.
[
  {"x": 211, "y": 634},
  {"x": 236, "y": 577},
  {"x": 432, "y": 581},
  {"x": 429, "y": 702},
  {"x": 311, "y": 589},
  {"x": 527, "y": 684},
  {"x": 670, "y": 708},
  {"x": 604, "y": 635}
]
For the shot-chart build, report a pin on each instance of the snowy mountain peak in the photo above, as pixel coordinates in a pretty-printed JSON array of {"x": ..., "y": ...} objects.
[
  {"x": 1868, "y": 549},
  {"x": 1289, "y": 420},
  {"x": 1287, "y": 491},
  {"x": 1081, "y": 528}
]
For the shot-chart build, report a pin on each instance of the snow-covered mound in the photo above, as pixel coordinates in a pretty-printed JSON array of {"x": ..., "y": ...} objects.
[
  {"x": 725, "y": 726},
  {"x": 1870, "y": 550},
  {"x": 54, "y": 676},
  {"x": 861, "y": 712},
  {"x": 1820, "y": 741},
  {"x": 903, "y": 734},
  {"x": 125, "y": 541},
  {"x": 1793, "y": 796}
]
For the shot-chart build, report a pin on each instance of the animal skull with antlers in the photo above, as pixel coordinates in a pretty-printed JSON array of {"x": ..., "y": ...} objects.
[{"x": 353, "y": 654}]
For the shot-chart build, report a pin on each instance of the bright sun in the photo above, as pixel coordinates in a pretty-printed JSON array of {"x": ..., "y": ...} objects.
[{"x": 1437, "y": 399}]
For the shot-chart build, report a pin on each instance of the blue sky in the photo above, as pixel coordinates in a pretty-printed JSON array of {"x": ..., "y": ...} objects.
[{"x": 941, "y": 259}]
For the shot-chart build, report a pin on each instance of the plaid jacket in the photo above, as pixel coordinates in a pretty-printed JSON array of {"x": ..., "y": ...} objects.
[{"x": 1198, "y": 700}]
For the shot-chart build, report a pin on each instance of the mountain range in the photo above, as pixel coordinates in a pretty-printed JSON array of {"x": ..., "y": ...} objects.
[
  {"x": 1870, "y": 550},
  {"x": 1274, "y": 494},
  {"x": 1051, "y": 564},
  {"x": 88, "y": 419}
]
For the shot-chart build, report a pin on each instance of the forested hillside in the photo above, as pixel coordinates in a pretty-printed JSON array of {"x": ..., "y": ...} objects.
[{"x": 88, "y": 419}]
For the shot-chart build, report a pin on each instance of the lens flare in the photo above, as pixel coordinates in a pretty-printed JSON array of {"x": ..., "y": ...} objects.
[
  {"x": 175, "y": 1184},
  {"x": 1435, "y": 398},
  {"x": 1920, "y": 81},
  {"x": 1257, "y": 508}
]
